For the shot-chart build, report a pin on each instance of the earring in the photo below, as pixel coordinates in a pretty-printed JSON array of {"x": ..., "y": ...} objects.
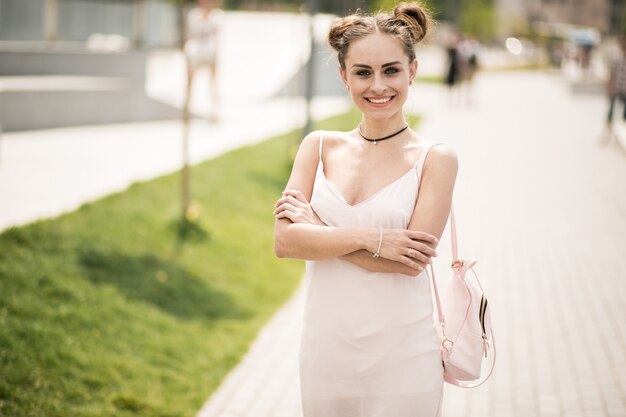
[{"x": 347, "y": 87}]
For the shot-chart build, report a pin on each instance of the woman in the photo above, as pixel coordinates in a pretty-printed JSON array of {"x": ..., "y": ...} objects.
[
  {"x": 201, "y": 46},
  {"x": 453, "y": 66},
  {"x": 352, "y": 209}
]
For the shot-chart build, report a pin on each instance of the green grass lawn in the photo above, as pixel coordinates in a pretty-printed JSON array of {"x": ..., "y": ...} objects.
[{"x": 112, "y": 311}]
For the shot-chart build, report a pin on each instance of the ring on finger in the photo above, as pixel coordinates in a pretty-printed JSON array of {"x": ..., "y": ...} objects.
[{"x": 410, "y": 253}]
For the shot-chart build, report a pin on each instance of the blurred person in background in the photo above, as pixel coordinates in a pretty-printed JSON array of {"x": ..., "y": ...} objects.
[
  {"x": 616, "y": 90},
  {"x": 453, "y": 66},
  {"x": 201, "y": 48},
  {"x": 468, "y": 53},
  {"x": 366, "y": 208},
  {"x": 586, "y": 52}
]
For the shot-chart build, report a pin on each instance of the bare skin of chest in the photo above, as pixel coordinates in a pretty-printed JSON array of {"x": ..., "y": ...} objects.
[{"x": 358, "y": 174}]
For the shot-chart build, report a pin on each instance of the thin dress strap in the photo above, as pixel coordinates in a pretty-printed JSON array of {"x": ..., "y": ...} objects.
[{"x": 321, "y": 143}]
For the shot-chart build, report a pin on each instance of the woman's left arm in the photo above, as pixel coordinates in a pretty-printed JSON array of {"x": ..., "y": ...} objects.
[{"x": 431, "y": 210}]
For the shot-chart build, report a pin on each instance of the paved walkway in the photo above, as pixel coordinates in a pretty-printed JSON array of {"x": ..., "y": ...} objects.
[
  {"x": 542, "y": 206},
  {"x": 47, "y": 172}
]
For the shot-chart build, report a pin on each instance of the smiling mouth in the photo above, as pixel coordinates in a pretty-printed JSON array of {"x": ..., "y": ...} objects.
[{"x": 381, "y": 100}]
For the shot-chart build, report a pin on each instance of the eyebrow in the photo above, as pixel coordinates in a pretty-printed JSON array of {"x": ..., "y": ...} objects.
[{"x": 382, "y": 66}]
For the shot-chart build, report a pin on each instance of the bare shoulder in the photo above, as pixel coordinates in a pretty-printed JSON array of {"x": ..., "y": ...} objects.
[
  {"x": 441, "y": 165},
  {"x": 310, "y": 144},
  {"x": 442, "y": 156},
  {"x": 312, "y": 138},
  {"x": 305, "y": 164},
  {"x": 334, "y": 138}
]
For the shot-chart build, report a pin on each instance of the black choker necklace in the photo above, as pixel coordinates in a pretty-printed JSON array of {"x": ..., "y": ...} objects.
[{"x": 381, "y": 139}]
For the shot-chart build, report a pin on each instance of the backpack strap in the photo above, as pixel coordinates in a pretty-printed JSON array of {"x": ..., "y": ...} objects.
[
  {"x": 419, "y": 166},
  {"x": 453, "y": 239},
  {"x": 421, "y": 161},
  {"x": 442, "y": 321}
]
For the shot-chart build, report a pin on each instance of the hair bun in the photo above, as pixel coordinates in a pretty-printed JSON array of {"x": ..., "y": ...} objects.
[
  {"x": 336, "y": 37},
  {"x": 415, "y": 18}
]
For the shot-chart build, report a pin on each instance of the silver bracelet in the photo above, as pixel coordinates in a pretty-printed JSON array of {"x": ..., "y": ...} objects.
[{"x": 380, "y": 243}]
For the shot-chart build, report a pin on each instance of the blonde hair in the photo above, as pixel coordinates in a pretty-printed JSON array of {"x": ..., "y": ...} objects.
[{"x": 409, "y": 22}]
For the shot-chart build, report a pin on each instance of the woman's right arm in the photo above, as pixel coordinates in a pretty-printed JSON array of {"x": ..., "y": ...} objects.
[{"x": 314, "y": 241}]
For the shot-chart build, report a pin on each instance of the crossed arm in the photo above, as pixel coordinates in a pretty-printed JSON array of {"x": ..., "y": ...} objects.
[{"x": 299, "y": 233}]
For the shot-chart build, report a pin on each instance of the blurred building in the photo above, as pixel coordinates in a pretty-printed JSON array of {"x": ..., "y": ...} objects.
[
  {"x": 607, "y": 16},
  {"x": 141, "y": 22},
  {"x": 594, "y": 13},
  {"x": 89, "y": 55}
]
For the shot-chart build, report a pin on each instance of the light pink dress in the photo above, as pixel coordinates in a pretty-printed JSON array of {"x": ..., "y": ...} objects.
[{"x": 369, "y": 347}]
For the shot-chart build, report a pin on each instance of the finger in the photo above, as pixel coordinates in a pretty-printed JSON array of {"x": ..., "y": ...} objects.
[
  {"x": 411, "y": 263},
  {"x": 296, "y": 194},
  {"x": 279, "y": 209},
  {"x": 423, "y": 236},
  {"x": 297, "y": 217},
  {"x": 291, "y": 201},
  {"x": 279, "y": 201},
  {"x": 418, "y": 256},
  {"x": 283, "y": 207},
  {"x": 292, "y": 191},
  {"x": 423, "y": 249},
  {"x": 286, "y": 215},
  {"x": 288, "y": 199},
  {"x": 423, "y": 265},
  {"x": 294, "y": 201},
  {"x": 421, "y": 246}
]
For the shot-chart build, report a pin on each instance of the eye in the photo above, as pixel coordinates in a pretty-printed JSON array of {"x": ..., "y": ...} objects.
[
  {"x": 363, "y": 73},
  {"x": 391, "y": 70}
]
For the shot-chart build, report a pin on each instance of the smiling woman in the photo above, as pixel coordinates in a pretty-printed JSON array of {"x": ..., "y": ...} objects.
[{"x": 366, "y": 208}]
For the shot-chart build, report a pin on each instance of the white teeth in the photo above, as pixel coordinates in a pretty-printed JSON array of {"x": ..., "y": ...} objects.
[{"x": 379, "y": 101}]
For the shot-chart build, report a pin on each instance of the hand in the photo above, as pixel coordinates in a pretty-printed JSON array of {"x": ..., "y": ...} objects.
[
  {"x": 412, "y": 248},
  {"x": 293, "y": 206}
]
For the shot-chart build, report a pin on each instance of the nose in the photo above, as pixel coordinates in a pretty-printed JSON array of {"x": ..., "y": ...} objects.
[{"x": 378, "y": 85}]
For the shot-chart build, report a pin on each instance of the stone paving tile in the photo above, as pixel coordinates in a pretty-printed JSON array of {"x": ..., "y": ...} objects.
[
  {"x": 542, "y": 206},
  {"x": 265, "y": 383}
]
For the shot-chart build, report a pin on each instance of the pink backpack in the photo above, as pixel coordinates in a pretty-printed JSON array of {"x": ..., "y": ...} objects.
[{"x": 464, "y": 323}]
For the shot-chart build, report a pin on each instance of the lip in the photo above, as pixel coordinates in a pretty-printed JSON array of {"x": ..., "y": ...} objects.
[{"x": 381, "y": 103}]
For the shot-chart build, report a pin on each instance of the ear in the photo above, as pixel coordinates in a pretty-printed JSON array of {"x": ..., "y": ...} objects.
[
  {"x": 413, "y": 69},
  {"x": 344, "y": 76}
]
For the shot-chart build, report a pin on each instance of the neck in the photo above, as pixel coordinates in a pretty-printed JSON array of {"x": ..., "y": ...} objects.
[{"x": 380, "y": 128}]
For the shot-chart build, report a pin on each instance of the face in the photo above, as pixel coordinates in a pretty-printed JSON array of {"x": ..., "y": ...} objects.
[
  {"x": 377, "y": 74},
  {"x": 207, "y": 4}
]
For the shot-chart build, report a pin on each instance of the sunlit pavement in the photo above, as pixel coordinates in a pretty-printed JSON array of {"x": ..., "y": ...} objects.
[
  {"x": 541, "y": 204},
  {"x": 48, "y": 172}
]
